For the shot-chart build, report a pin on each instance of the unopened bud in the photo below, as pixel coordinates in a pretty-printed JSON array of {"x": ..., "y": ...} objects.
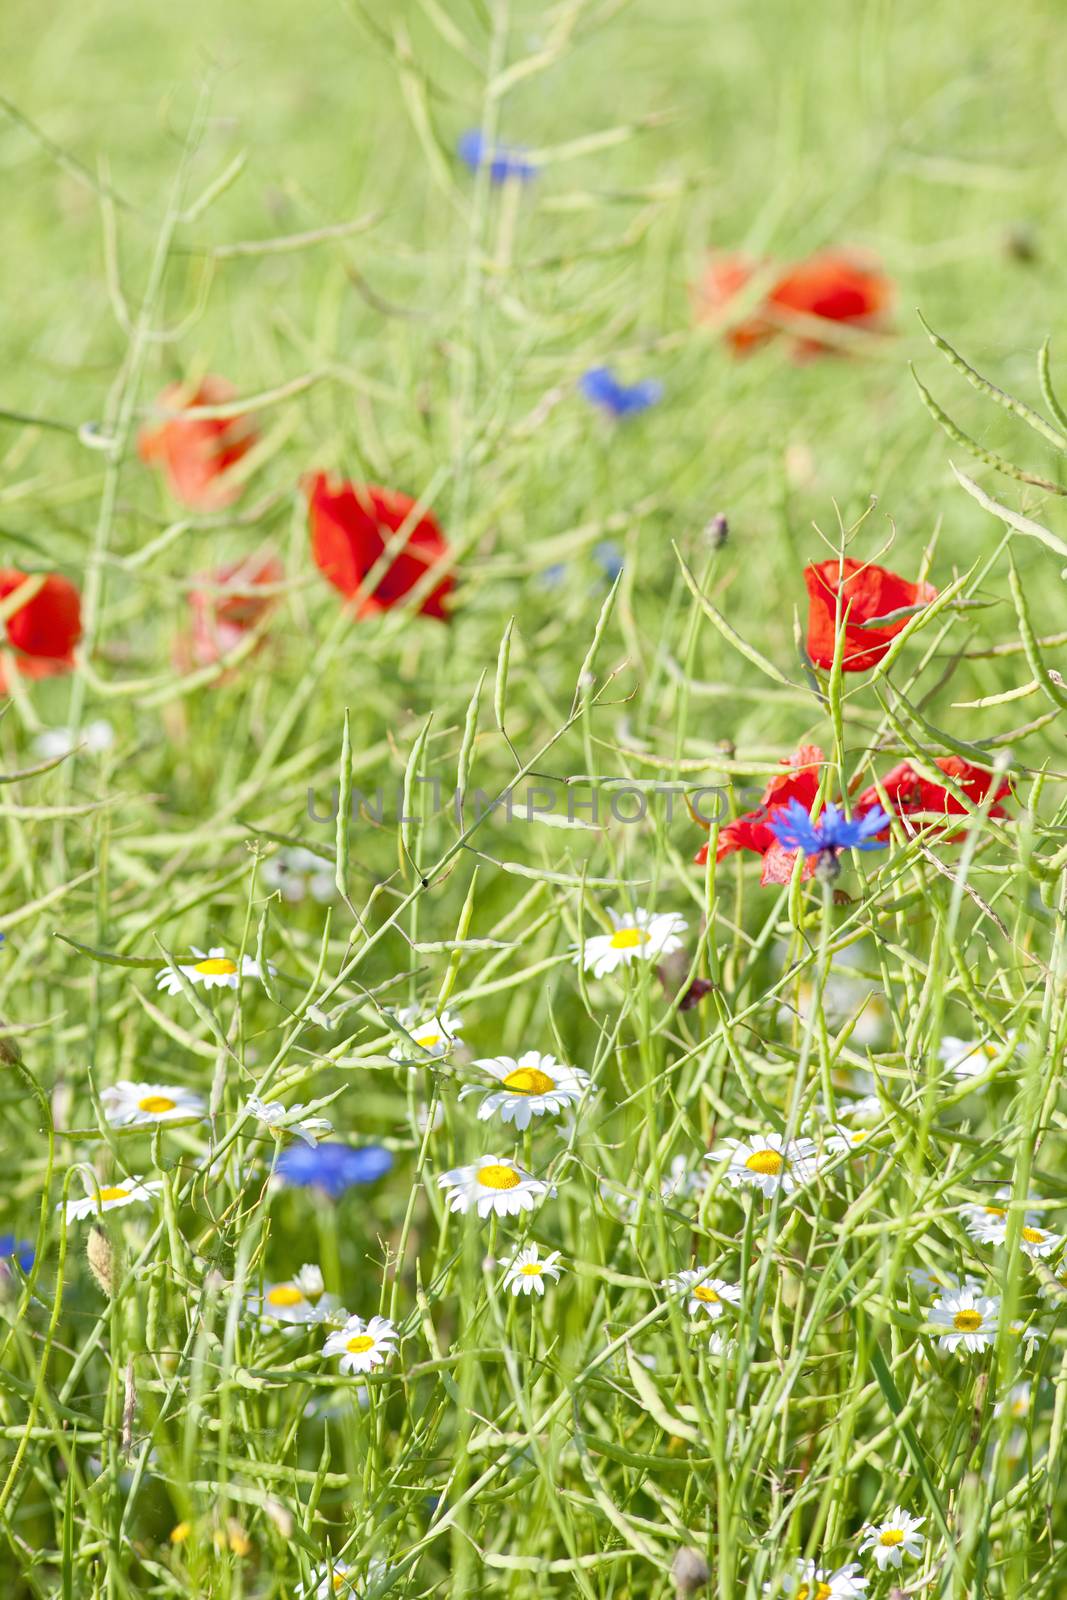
[
  {"x": 689, "y": 1570},
  {"x": 10, "y": 1054},
  {"x": 101, "y": 1258},
  {"x": 717, "y": 531}
]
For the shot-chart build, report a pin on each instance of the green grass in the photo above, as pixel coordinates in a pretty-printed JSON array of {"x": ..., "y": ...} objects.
[{"x": 569, "y": 1445}]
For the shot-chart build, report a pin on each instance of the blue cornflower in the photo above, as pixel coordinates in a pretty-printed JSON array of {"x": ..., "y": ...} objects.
[
  {"x": 17, "y": 1249},
  {"x": 830, "y": 832},
  {"x": 602, "y": 388},
  {"x": 503, "y": 160},
  {"x": 609, "y": 559},
  {"x": 332, "y": 1167}
]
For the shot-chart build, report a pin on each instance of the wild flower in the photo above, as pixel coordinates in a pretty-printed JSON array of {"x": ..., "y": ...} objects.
[
  {"x": 602, "y": 388},
  {"x": 894, "y": 1538},
  {"x": 494, "y": 1184},
  {"x": 533, "y": 1085},
  {"x": 637, "y": 936},
  {"x": 866, "y": 594},
  {"x": 362, "y": 1346},
  {"x": 525, "y": 1273},
  {"x": 140, "y": 1105},
  {"x": 352, "y": 524},
  {"x": 506, "y": 162},
  {"x": 110, "y": 1197},
  {"x": 37, "y": 638},
  {"x": 331, "y": 1168},
  {"x": 197, "y": 455}
]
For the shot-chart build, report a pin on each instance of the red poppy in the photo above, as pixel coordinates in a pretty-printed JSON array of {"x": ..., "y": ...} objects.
[
  {"x": 725, "y": 276},
  {"x": 752, "y": 830},
  {"x": 909, "y": 792},
  {"x": 866, "y": 592},
  {"x": 350, "y": 527},
  {"x": 44, "y": 629},
  {"x": 197, "y": 453},
  {"x": 226, "y": 610},
  {"x": 835, "y": 285}
]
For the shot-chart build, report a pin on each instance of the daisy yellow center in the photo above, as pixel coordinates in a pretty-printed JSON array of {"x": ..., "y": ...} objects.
[
  {"x": 890, "y": 1537},
  {"x": 532, "y": 1269},
  {"x": 498, "y": 1177},
  {"x": 284, "y": 1294},
  {"x": 995, "y": 1211},
  {"x": 528, "y": 1080},
  {"x": 116, "y": 1192},
  {"x": 628, "y": 938},
  {"x": 156, "y": 1104},
  {"x": 428, "y": 1041},
  {"x": 822, "y": 1591},
  {"x": 963, "y": 1322},
  {"x": 1033, "y": 1235},
  {"x": 768, "y": 1163},
  {"x": 702, "y": 1292},
  {"x": 360, "y": 1344},
  {"x": 216, "y": 967}
]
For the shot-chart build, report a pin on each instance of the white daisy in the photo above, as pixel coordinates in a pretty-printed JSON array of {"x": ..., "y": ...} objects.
[
  {"x": 136, "y": 1105},
  {"x": 298, "y": 1300},
  {"x": 638, "y": 936},
  {"x": 532, "y": 1086},
  {"x": 212, "y": 970},
  {"x": 970, "y": 1058},
  {"x": 720, "y": 1345},
  {"x": 525, "y": 1272},
  {"x": 110, "y": 1196},
  {"x": 707, "y": 1294},
  {"x": 890, "y": 1541},
  {"x": 436, "y": 1035},
  {"x": 280, "y": 1120},
  {"x": 337, "y": 1579},
  {"x": 1016, "y": 1402},
  {"x": 968, "y": 1321},
  {"x": 767, "y": 1163},
  {"x": 809, "y": 1582},
  {"x": 96, "y": 737},
  {"x": 989, "y": 1225},
  {"x": 1038, "y": 1242},
  {"x": 361, "y": 1345},
  {"x": 495, "y": 1183},
  {"x": 295, "y": 872}
]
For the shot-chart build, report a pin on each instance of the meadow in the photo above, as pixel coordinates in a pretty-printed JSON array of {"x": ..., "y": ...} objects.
[{"x": 534, "y": 801}]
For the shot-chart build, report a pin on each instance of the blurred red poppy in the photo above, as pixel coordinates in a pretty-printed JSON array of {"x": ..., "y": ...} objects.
[
  {"x": 350, "y": 527},
  {"x": 835, "y": 285},
  {"x": 196, "y": 454},
  {"x": 44, "y": 629},
  {"x": 228, "y": 607},
  {"x": 725, "y": 277},
  {"x": 752, "y": 830},
  {"x": 866, "y": 592},
  {"x": 909, "y": 792}
]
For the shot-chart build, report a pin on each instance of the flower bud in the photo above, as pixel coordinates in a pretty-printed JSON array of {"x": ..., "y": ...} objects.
[
  {"x": 717, "y": 531},
  {"x": 101, "y": 1257},
  {"x": 689, "y": 1570}
]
